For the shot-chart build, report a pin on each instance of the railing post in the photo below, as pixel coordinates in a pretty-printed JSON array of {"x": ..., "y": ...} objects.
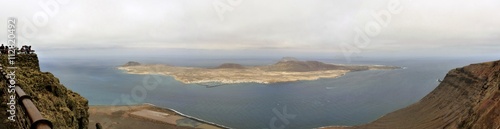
[{"x": 98, "y": 126}]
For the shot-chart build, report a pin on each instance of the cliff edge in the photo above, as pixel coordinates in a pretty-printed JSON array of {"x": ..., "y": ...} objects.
[
  {"x": 63, "y": 107},
  {"x": 468, "y": 97}
]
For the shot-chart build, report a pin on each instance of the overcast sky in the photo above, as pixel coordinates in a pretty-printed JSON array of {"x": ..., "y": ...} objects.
[{"x": 301, "y": 26}]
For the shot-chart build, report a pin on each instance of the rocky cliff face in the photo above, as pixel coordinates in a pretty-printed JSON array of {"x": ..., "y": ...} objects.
[
  {"x": 63, "y": 107},
  {"x": 468, "y": 97}
]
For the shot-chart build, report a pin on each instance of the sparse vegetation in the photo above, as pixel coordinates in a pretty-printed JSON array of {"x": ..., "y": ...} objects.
[
  {"x": 287, "y": 69},
  {"x": 65, "y": 108}
]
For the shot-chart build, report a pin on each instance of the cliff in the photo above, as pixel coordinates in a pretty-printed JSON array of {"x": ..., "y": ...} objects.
[
  {"x": 468, "y": 97},
  {"x": 63, "y": 107}
]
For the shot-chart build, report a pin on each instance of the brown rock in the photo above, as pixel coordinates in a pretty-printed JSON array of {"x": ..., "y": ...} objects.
[{"x": 468, "y": 97}]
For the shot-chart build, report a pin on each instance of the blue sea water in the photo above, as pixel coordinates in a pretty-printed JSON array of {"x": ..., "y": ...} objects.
[{"x": 356, "y": 98}]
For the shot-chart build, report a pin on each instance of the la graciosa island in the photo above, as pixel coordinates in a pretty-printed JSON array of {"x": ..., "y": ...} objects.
[{"x": 288, "y": 69}]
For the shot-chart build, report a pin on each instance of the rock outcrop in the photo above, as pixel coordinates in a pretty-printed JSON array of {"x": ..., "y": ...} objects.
[
  {"x": 131, "y": 63},
  {"x": 63, "y": 107},
  {"x": 468, "y": 98}
]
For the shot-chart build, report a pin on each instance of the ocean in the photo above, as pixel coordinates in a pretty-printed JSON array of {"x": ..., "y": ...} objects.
[{"x": 356, "y": 98}]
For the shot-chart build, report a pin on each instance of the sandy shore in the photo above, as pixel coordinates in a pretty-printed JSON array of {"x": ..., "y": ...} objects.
[{"x": 145, "y": 116}]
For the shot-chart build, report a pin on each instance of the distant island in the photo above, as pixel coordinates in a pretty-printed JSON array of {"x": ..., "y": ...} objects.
[{"x": 288, "y": 69}]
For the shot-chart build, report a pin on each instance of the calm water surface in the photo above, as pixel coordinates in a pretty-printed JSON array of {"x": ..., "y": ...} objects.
[{"x": 356, "y": 98}]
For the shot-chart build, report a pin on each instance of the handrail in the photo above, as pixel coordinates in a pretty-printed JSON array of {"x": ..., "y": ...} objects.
[{"x": 37, "y": 120}]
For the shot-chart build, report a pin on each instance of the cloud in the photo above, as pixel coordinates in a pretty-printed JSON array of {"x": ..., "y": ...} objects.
[{"x": 259, "y": 24}]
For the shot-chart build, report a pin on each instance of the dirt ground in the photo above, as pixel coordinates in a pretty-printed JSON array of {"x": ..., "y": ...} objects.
[{"x": 143, "y": 116}]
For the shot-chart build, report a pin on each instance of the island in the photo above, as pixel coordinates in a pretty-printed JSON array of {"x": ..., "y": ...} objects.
[{"x": 288, "y": 69}]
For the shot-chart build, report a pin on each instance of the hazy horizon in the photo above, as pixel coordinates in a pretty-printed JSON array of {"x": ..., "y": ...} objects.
[{"x": 258, "y": 28}]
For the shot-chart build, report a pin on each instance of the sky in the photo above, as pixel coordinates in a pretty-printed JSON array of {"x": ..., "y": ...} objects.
[{"x": 336, "y": 28}]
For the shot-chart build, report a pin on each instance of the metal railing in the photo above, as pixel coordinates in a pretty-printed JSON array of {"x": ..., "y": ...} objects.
[{"x": 36, "y": 118}]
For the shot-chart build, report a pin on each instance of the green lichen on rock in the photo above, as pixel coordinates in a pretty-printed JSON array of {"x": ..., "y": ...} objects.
[{"x": 63, "y": 107}]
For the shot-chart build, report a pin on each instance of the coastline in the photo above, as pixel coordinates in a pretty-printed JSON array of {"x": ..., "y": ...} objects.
[
  {"x": 119, "y": 116},
  {"x": 265, "y": 78},
  {"x": 288, "y": 69},
  {"x": 197, "y": 119}
]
